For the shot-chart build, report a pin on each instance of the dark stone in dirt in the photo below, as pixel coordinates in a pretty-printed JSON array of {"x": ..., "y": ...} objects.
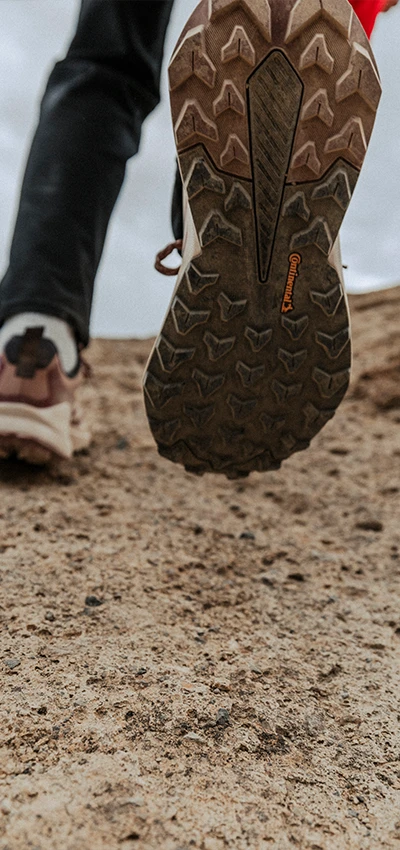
[
  {"x": 93, "y": 601},
  {"x": 42, "y": 710},
  {"x": 247, "y": 535},
  {"x": 296, "y": 577},
  {"x": 267, "y": 560},
  {"x": 273, "y": 742},
  {"x": 12, "y": 663},
  {"x": 370, "y": 525},
  {"x": 270, "y": 581},
  {"x": 223, "y": 717}
]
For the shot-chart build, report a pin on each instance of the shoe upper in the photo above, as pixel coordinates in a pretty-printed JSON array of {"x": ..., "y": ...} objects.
[{"x": 31, "y": 372}]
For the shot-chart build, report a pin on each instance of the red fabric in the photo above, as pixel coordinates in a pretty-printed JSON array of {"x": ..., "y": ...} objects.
[{"x": 367, "y": 11}]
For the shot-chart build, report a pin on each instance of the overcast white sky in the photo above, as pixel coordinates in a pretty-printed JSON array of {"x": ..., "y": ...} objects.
[{"x": 131, "y": 298}]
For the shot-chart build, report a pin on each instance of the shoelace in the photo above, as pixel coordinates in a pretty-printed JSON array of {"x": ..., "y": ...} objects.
[{"x": 173, "y": 246}]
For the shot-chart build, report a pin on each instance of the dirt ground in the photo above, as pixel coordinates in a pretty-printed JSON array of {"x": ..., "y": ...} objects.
[{"x": 198, "y": 664}]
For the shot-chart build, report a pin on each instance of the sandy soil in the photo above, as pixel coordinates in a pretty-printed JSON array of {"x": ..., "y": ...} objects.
[{"x": 197, "y": 663}]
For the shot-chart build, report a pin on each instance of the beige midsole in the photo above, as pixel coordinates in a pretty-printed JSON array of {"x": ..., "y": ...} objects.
[{"x": 49, "y": 426}]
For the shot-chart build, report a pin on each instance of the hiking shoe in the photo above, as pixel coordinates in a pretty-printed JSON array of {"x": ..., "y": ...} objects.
[
  {"x": 39, "y": 418},
  {"x": 273, "y": 104}
]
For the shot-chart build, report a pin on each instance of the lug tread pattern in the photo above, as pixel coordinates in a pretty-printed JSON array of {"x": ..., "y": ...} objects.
[
  {"x": 249, "y": 376},
  {"x": 234, "y": 385},
  {"x": 191, "y": 58},
  {"x": 333, "y": 344},
  {"x": 229, "y": 98},
  {"x": 350, "y": 140},
  {"x": 234, "y": 152},
  {"x": 284, "y": 392},
  {"x": 318, "y": 234},
  {"x": 197, "y": 281},
  {"x": 306, "y": 158},
  {"x": 317, "y": 53},
  {"x": 338, "y": 12},
  {"x": 341, "y": 86},
  {"x": 241, "y": 408},
  {"x": 199, "y": 416},
  {"x": 315, "y": 418},
  {"x": 258, "y": 339},
  {"x": 186, "y": 319},
  {"x": 318, "y": 107},
  {"x": 292, "y": 361},
  {"x": 239, "y": 46},
  {"x": 193, "y": 122},
  {"x": 258, "y": 10},
  {"x": 207, "y": 384},
  {"x": 336, "y": 187},
  {"x": 360, "y": 78},
  {"x": 165, "y": 431},
  {"x": 170, "y": 357},
  {"x": 201, "y": 177},
  {"x": 295, "y": 327},
  {"x": 216, "y": 226},
  {"x": 158, "y": 393},
  {"x": 330, "y": 383},
  {"x": 296, "y": 205},
  {"x": 230, "y": 309},
  {"x": 238, "y": 198},
  {"x": 218, "y": 347},
  {"x": 328, "y": 301}
]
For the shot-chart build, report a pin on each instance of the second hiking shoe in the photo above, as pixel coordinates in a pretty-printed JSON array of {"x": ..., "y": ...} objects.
[
  {"x": 273, "y": 104},
  {"x": 40, "y": 419}
]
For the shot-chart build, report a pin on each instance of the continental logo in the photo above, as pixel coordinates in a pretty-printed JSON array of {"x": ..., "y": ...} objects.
[{"x": 287, "y": 303}]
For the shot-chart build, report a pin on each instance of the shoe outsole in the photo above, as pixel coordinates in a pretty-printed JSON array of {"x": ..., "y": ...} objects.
[
  {"x": 273, "y": 104},
  {"x": 26, "y": 450},
  {"x": 40, "y": 435}
]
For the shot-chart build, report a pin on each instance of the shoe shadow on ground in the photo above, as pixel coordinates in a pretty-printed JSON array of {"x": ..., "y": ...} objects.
[{"x": 19, "y": 474}]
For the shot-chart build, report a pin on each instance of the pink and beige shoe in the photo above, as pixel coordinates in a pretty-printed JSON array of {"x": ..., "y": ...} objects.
[{"x": 39, "y": 417}]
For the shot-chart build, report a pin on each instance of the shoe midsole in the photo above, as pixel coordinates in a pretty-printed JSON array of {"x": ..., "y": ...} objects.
[{"x": 48, "y": 426}]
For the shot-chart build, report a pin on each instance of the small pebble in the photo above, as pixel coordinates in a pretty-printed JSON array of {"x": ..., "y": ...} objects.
[
  {"x": 12, "y": 663},
  {"x": 193, "y": 736},
  {"x": 266, "y": 578},
  {"x": 223, "y": 717},
  {"x": 187, "y": 686},
  {"x": 93, "y": 601},
  {"x": 5, "y": 807},
  {"x": 223, "y": 685},
  {"x": 370, "y": 525},
  {"x": 49, "y": 616},
  {"x": 247, "y": 535}
]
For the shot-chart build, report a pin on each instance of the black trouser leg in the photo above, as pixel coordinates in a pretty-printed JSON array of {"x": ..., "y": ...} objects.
[{"x": 90, "y": 122}]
